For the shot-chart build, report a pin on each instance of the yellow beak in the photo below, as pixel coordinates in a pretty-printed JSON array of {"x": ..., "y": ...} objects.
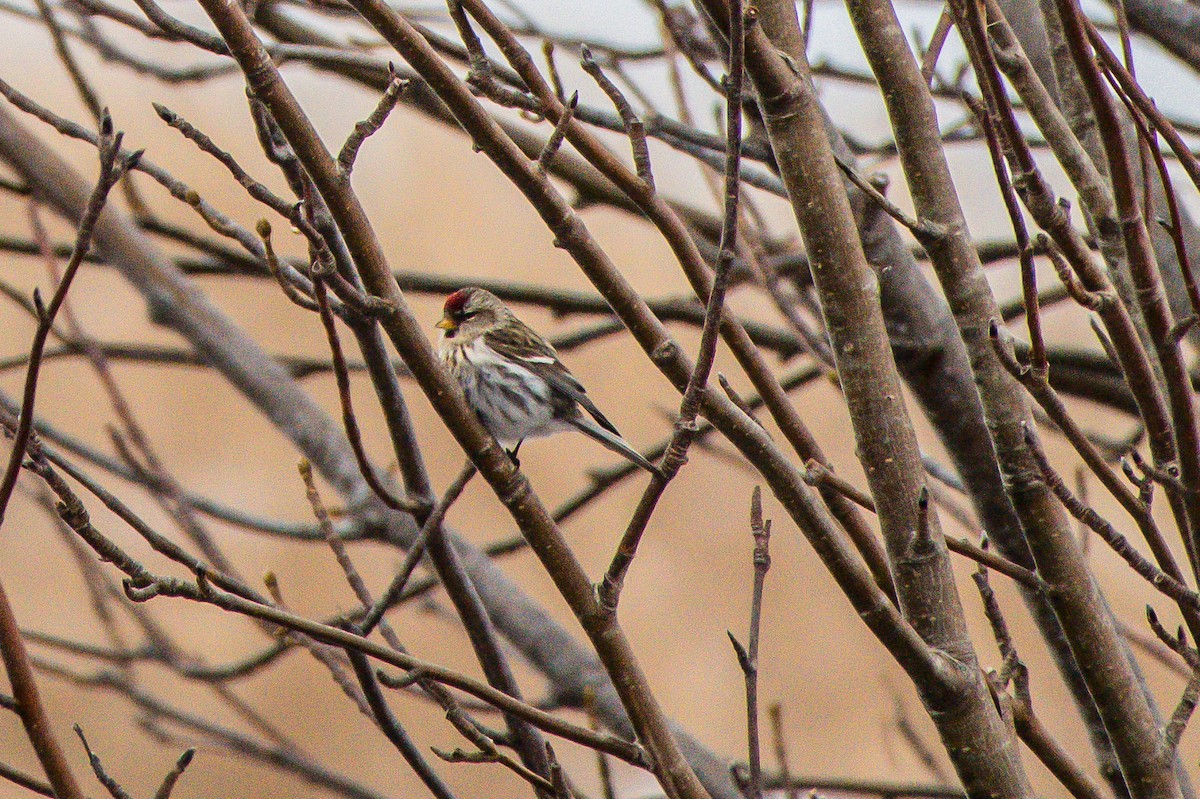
[{"x": 446, "y": 323}]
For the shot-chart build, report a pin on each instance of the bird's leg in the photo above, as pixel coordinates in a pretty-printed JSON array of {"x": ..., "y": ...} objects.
[{"x": 512, "y": 453}]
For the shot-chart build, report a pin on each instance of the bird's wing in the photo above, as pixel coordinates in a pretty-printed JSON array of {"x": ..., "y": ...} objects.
[{"x": 520, "y": 344}]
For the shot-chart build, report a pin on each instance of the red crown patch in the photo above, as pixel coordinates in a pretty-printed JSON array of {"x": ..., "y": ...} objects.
[{"x": 456, "y": 301}]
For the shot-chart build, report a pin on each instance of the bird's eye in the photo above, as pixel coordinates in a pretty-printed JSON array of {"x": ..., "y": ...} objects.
[{"x": 465, "y": 315}]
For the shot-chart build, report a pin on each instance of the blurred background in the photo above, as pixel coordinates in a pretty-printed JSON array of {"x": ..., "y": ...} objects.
[{"x": 847, "y": 710}]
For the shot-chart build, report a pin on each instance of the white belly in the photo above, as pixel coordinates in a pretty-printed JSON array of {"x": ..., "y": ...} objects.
[{"x": 512, "y": 402}]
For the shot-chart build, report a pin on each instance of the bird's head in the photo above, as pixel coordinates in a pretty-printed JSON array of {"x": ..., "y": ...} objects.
[{"x": 470, "y": 312}]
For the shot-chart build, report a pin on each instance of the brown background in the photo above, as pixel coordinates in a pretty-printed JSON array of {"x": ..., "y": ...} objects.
[{"x": 440, "y": 208}]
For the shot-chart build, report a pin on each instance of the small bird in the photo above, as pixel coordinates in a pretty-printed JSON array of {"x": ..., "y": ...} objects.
[{"x": 513, "y": 378}]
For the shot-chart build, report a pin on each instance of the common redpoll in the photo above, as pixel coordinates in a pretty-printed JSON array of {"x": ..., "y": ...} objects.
[{"x": 513, "y": 378}]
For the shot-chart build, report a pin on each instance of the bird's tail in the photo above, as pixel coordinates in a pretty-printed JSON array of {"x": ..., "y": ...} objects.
[{"x": 612, "y": 441}]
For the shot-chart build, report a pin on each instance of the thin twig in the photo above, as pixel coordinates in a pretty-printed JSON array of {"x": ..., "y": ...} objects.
[
  {"x": 367, "y": 127},
  {"x": 391, "y": 728},
  {"x": 936, "y": 41},
  {"x": 1018, "y": 707},
  {"x": 820, "y": 476},
  {"x": 396, "y": 588},
  {"x": 552, "y": 71},
  {"x": 29, "y": 783},
  {"x": 253, "y": 187},
  {"x": 996, "y": 562},
  {"x": 1029, "y": 291},
  {"x": 609, "y": 589},
  {"x": 112, "y": 166},
  {"x": 142, "y": 585},
  {"x": 555, "y": 140},
  {"x": 353, "y": 432},
  {"x": 607, "y": 787},
  {"x": 290, "y": 290},
  {"x": 1182, "y": 714},
  {"x": 635, "y": 129},
  {"x": 775, "y": 713},
  {"x": 925, "y": 231},
  {"x": 761, "y": 530},
  {"x": 16, "y": 659},
  {"x": 111, "y": 785},
  {"x": 1157, "y": 578},
  {"x": 172, "y": 777}
]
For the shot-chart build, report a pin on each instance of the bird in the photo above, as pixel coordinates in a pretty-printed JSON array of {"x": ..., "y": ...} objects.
[{"x": 514, "y": 380}]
